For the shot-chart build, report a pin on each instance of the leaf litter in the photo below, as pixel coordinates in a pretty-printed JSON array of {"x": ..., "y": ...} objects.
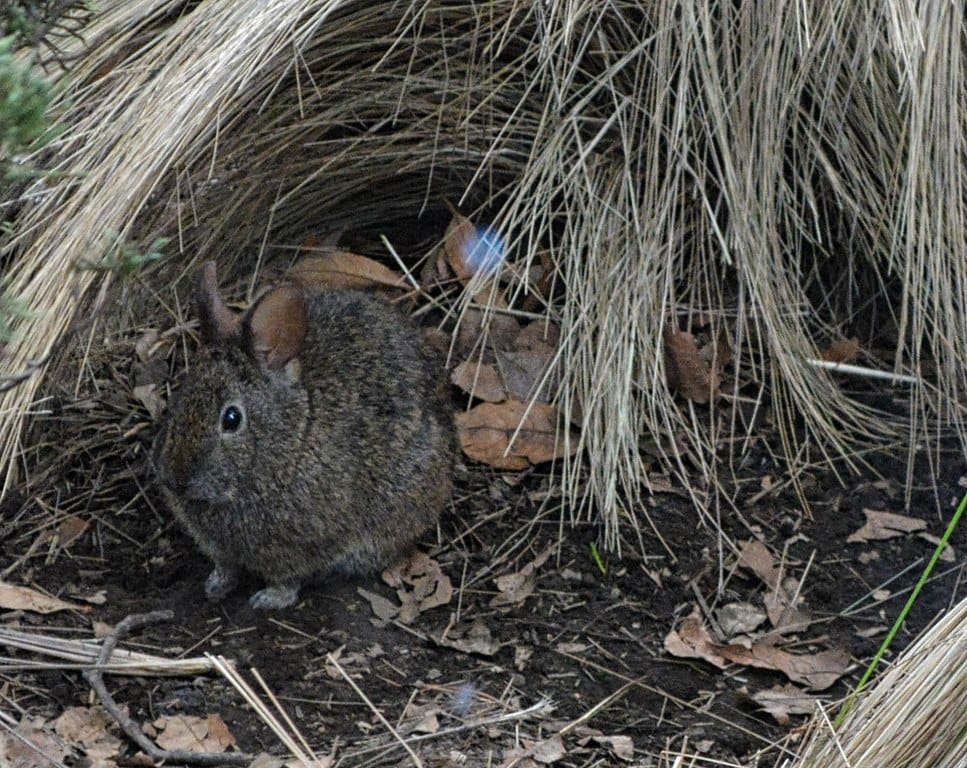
[
  {"x": 343, "y": 269},
  {"x": 14, "y": 597},
  {"x": 818, "y": 670},
  {"x": 93, "y": 731},
  {"x": 785, "y": 612},
  {"x": 885, "y": 525},
  {"x": 420, "y": 585},
  {"x": 514, "y": 435},
  {"x": 515, "y": 588},
  {"x": 31, "y": 744},
  {"x": 191, "y": 733}
]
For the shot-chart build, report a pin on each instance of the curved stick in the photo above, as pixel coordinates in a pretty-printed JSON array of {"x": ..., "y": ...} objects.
[{"x": 95, "y": 677}]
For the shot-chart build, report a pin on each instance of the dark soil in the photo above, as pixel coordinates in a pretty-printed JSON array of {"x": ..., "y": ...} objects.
[{"x": 583, "y": 636}]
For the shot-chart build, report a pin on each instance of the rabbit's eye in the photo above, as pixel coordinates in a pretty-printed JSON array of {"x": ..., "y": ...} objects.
[{"x": 232, "y": 418}]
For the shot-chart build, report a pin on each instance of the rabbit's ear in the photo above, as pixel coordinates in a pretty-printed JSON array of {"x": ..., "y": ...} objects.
[
  {"x": 276, "y": 326},
  {"x": 217, "y": 321}
]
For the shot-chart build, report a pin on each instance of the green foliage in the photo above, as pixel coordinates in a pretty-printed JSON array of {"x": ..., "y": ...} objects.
[
  {"x": 25, "y": 95},
  {"x": 125, "y": 259},
  {"x": 24, "y": 98},
  {"x": 32, "y": 21},
  {"x": 598, "y": 560},
  {"x": 10, "y": 309}
]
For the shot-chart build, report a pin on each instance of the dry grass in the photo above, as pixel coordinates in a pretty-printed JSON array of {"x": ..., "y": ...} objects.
[
  {"x": 784, "y": 174},
  {"x": 72, "y": 654},
  {"x": 915, "y": 715}
]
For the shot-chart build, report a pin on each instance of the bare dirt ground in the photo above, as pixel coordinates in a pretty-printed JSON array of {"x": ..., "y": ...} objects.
[{"x": 565, "y": 662}]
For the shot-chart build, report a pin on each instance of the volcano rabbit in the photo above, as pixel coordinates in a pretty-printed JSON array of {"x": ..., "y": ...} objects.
[{"x": 312, "y": 434}]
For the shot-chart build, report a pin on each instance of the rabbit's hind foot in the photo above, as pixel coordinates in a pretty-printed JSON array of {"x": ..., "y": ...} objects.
[
  {"x": 275, "y": 597},
  {"x": 220, "y": 582}
]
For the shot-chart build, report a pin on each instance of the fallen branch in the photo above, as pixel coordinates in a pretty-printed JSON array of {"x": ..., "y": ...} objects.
[{"x": 95, "y": 677}]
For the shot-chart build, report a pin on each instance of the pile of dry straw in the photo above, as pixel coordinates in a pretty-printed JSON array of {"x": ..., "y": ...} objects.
[{"x": 771, "y": 176}]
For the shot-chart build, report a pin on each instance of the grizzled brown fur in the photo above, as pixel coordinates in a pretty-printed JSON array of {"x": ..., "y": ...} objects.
[{"x": 344, "y": 450}]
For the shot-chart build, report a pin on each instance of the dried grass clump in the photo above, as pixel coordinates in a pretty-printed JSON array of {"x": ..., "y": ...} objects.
[
  {"x": 778, "y": 174},
  {"x": 915, "y": 715}
]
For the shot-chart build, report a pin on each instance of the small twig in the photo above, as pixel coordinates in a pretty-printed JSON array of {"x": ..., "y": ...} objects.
[
  {"x": 606, "y": 702},
  {"x": 379, "y": 715},
  {"x": 521, "y": 714},
  {"x": 72, "y": 654},
  {"x": 866, "y": 373},
  {"x": 285, "y": 716},
  {"x": 95, "y": 677},
  {"x": 231, "y": 674}
]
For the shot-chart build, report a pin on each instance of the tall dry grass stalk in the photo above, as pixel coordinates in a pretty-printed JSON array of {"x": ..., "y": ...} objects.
[
  {"x": 915, "y": 715},
  {"x": 784, "y": 174}
]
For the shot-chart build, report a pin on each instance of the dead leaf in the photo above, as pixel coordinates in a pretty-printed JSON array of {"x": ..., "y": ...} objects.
[
  {"x": 781, "y": 701},
  {"x": 195, "y": 734},
  {"x": 518, "y": 757},
  {"x": 93, "y": 598},
  {"x": 548, "y": 751},
  {"x": 421, "y": 718},
  {"x": 621, "y": 747},
  {"x": 538, "y": 335},
  {"x": 524, "y": 373},
  {"x": 453, "y": 249},
  {"x": 143, "y": 347},
  {"x": 947, "y": 555},
  {"x": 884, "y": 525},
  {"x": 515, "y": 588},
  {"x": 479, "y": 380},
  {"x": 784, "y": 615},
  {"x": 383, "y": 607},
  {"x": 817, "y": 670},
  {"x": 687, "y": 373},
  {"x": 337, "y": 659},
  {"x": 420, "y": 585},
  {"x": 343, "y": 269},
  {"x": 16, "y": 598},
  {"x": 739, "y": 618},
  {"x": 478, "y": 639},
  {"x": 469, "y": 249},
  {"x": 522, "y": 655},
  {"x": 102, "y": 629},
  {"x": 88, "y": 728},
  {"x": 571, "y": 648},
  {"x": 36, "y": 747},
  {"x": 71, "y": 528},
  {"x": 692, "y": 641},
  {"x": 532, "y": 754},
  {"x": 147, "y": 395},
  {"x": 497, "y": 328},
  {"x": 756, "y": 557},
  {"x": 486, "y": 432},
  {"x": 842, "y": 351}
]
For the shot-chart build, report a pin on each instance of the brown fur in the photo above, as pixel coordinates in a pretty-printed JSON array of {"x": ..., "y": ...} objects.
[{"x": 345, "y": 457}]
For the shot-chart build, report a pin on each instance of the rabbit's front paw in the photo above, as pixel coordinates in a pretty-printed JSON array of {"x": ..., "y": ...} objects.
[
  {"x": 220, "y": 582},
  {"x": 275, "y": 597}
]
